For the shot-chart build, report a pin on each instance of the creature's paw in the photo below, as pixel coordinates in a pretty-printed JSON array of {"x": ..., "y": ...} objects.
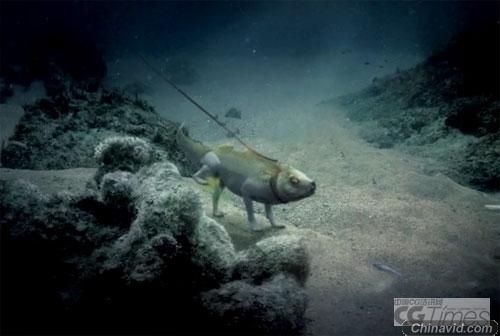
[
  {"x": 278, "y": 226},
  {"x": 218, "y": 214},
  {"x": 200, "y": 180},
  {"x": 254, "y": 227}
]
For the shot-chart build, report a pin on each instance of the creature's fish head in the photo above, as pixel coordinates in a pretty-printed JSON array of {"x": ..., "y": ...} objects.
[{"x": 293, "y": 185}]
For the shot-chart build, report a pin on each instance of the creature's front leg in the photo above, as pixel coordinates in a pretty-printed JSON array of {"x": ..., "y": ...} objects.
[
  {"x": 215, "y": 199},
  {"x": 270, "y": 216}
]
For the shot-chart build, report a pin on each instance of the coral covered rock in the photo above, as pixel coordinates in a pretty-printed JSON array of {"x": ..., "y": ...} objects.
[
  {"x": 136, "y": 253},
  {"x": 117, "y": 193},
  {"x": 46, "y": 242},
  {"x": 123, "y": 153},
  {"x": 276, "y": 306},
  {"x": 117, "y": 188},
  {"x": 213, "y": 251},
  {"x": 63, "y": 132},
  {"x": 279, "y": 254},
  {"x": 19, "y": 200},
  {"x": 167, "y": 213},
  {"x": 165, "y": 200}
]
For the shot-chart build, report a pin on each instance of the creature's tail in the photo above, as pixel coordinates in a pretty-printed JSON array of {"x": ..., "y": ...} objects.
[{"x": 193, "y": 150}]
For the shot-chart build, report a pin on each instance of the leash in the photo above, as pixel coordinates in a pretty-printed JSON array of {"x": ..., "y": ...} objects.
[{"x": 201, "y": 108}]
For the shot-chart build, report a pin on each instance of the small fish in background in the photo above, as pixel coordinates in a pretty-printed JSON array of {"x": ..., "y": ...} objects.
[
  {"x": 387, "y": 269},
  {"x": 233, "y": 112},
  {"x": 492, "y": 207},
  {"x": 367, "y": 63}
]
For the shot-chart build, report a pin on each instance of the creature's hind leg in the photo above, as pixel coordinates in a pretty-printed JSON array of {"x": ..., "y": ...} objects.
[
  {"x": 215, "y": 199},
  {"x": 201, "y": 175},
  {"x": 210, "y": 163}
]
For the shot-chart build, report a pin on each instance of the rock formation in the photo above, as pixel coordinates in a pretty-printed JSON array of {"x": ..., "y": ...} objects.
[{"x": 135, "y": 252}]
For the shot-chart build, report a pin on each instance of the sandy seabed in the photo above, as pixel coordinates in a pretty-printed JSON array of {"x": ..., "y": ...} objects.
[
  {"x": 377, "y": 206},
  {"x": 371, "y": 206}
]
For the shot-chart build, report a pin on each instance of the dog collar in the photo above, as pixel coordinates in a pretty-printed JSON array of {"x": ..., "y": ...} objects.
[{"x": 273, "y": 183}]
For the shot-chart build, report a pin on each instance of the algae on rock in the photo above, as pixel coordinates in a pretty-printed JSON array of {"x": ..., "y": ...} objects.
[
  {"x": 137, "y": 254},
  {"x": 62, "y": 132}
]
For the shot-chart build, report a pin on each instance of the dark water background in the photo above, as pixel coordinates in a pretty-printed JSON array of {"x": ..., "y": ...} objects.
[
  {"x": 276, "y": 62},
  {"x": 241, "y": 29}
]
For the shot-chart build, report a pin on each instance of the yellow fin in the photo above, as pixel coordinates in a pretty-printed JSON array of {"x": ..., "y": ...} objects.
[
  {"x": 212, "y": 184},
  {"x": 225, "y": 148}
]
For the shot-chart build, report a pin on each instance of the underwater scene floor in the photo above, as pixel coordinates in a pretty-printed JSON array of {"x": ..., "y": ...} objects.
[{"x": 372, "y": 207}]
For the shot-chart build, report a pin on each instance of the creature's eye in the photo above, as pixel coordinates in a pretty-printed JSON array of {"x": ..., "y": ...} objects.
[{"x": 293, "y": 180}]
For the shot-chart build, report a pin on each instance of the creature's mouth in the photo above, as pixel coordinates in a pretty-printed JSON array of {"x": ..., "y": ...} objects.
[
  {"x": 313, "y": 188},
  {"x": 310, "y": 192}
]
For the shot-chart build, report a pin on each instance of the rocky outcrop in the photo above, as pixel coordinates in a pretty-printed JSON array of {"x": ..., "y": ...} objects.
[
  {"x": 279, "y": 254},
  {"x": 62, "y": 132},
  {"x": 269, "y": 308},
  {"x": 134, "y": 252},
  {"x": 446, "y": 109}
]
